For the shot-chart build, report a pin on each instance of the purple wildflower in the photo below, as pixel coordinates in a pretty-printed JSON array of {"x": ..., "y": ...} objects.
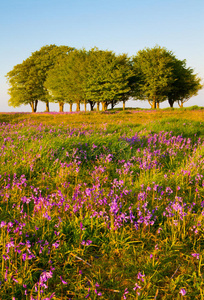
[
  {"x": 56, "y": 244},
  {"x": 197, "y": 255},
  {"x": 125, "y": 293},
  {"x": 182, "y": 292},
  {"x": 137, "y": 286},
  {"x": 140, "y": 276},
  {"x": 64, "y": 282}
]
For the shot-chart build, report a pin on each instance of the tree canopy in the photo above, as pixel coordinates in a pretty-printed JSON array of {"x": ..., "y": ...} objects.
[
  {"x": 66, "y": 75},
  {"x": 27, "y": 79},
  {"x": 108, "y": 76},
  {"x": 185, "y": 83},
  {"x": 93, "y": 76},
  {"x": 23, "y": 89},
  {"x": 154, "y": 72},
  {"x": 65, "y": 82},
  {"x": 161, "y": 76}
]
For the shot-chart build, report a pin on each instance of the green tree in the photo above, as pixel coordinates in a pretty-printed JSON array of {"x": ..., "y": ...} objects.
[
  {"x": 22, "y": 89},
  {"x": 185, "y": 84},
  {"x": 65, "y": 82},
  {"x": 153, "y": 71},
  {"x": 45, "y": 59},
  {"x": 27, "y": 79},
  {"x": 95, "y": 76},
  {"x": 108, "y": 77}
]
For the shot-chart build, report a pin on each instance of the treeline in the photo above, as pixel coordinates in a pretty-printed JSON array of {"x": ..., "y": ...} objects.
[{"x": 66, "y": 75}]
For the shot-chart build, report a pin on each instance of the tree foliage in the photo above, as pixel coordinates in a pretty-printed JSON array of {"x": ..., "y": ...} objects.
[
  {"x": 161, "y": 76},
  {"x": 154, "y": 73},
  {"x": 66, "y": 75},
  {"x": 22, "y": 90},
  {"x": 185, "y": 83},
  {"x": 65, "y": 82},
  {"x": 94, "y": 76},
  {"x": 108, "y": 76},
  {"x": 27, "y": 79}
]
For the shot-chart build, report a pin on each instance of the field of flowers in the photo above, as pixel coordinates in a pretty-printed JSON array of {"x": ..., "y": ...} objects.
[{"x": 102, "y": 205}]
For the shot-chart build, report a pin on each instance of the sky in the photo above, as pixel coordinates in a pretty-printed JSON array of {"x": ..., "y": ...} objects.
[{"x": 123, "y": 26}]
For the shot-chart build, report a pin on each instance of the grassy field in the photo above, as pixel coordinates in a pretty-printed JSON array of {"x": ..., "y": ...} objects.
[{"x": 102, "y": 205}]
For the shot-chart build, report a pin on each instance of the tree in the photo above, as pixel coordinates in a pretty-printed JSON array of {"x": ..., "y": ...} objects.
[
  {"x": 23, "y": 90},
  {"x": 66, "y": 80},
  {"x": 45, "y": 59},
  {"x": 107, "y": 77},
  {"x": 27, "y": 79},
  {"x": 94, "y": 76},
  {"x": 185, "y": 83},
  {"x": 153, "y": 71}
]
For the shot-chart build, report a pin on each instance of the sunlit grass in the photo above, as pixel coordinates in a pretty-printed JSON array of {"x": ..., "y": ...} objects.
[{"x": 102, "y": 205}]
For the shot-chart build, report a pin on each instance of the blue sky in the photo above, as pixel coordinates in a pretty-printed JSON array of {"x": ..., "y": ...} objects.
[{"x": 118, "y": 25}]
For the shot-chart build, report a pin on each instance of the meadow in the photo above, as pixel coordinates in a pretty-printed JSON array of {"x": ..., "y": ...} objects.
[{"x": 102, "y": 205}]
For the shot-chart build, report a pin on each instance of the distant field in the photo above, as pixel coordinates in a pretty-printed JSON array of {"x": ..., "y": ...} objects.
[{"x": 105, "y": 205}]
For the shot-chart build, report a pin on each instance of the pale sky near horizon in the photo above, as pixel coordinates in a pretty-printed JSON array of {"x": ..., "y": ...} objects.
[{"x": 118, "y": 25}]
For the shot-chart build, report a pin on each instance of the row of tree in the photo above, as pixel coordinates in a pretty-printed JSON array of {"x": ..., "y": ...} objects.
[{"x": 66, "y": 75}]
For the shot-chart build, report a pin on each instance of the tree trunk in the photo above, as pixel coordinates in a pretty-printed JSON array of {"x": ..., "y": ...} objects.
[
  {"x": 47, "y": 106},
  {"x": 158, "y": 104},
  {"x": 171, "y": 102},
  {"x": 35, "y": 105},
  {"x": 61, "y": 106},
  {"x": 32, "y": 106},
  {"x": 180, "y": 103},
  {"x": 112, "y": 104},
  {"x": 70, "y": 107},
  {"x": 104, "y": 106},
  {"x": 98, "y": 104},
  {"x": 78, "y": 106},
  {"x": 154, "y": 103},
  {"x": 91, "y": 105},
  {"x": 85, "y": 105},
  {"x": 123, "y": 104},
  {"x": 150, "y": 103}
]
